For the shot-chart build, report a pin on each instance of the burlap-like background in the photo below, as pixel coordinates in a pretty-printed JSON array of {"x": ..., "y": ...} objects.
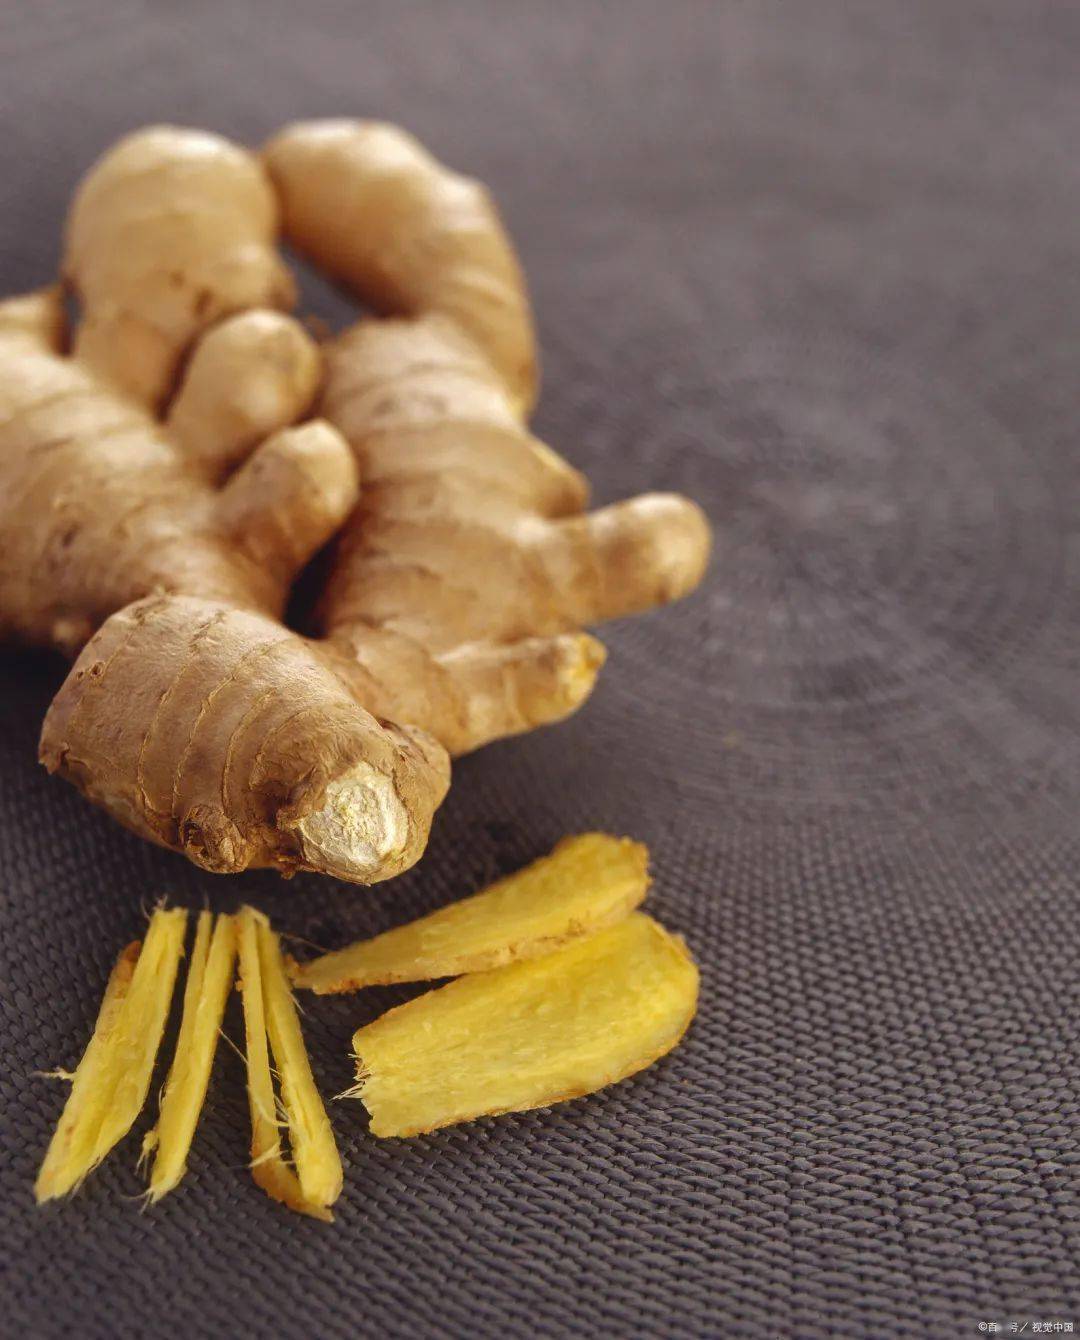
[{"x": 817, "y": 264}]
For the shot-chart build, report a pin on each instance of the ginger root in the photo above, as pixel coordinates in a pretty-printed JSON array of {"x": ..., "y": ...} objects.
[
  {"x": 529, "y": 1034},
  {"x": 209, "y": 978},
  {"x": 588, "y": 882},
  {"x": 111, "y": 1082},
  {"x": 152, "y": 488},
  {"x": 269, "y": 1010},
  {"x": 464, "y": 578}
]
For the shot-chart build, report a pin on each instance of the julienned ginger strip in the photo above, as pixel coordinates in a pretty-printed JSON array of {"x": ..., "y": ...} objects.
[
  {"x": 111, "y": 1082},
  {"x": 268, "y": 1166},
  {"x": 314, "y": 1150},
  {"x": 209, "y": 978},
  {"x": 68, "y": 1158}
]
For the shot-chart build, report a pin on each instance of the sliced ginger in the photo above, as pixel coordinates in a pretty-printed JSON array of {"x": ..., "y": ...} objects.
[
  {"x": 588, "y": 882},
  {"x": 69, "y": 1156},
  {"x": 584, "y": 992},
  {"x": 270, "y": 1009},
  {"x": 210, "y": 975},
  {"x": 113, "y": 1077},
  {"x": 318, "y": 1164},
  {"x": 531, "y": 1033}
]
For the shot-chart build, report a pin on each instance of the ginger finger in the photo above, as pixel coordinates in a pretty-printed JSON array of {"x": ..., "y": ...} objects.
[
  {"x": 68, "y": 1157},
  {"x": 477, "y": 692},
  {"x": 248, "y": 377},
  {"x": 169, "y": 232},
  {"x": 625, "y": 558},
  {"x": 209, "y": 978},
  {"x": 289, "y": 497},
  {"x": 510, "y": 689},
  {"x": 318, "y": 1164},
  {"x": 466, "y": 541},
  {"x": 369, "y": 203},
  {"x": 268, "y": 1168},
  {"x": 588, "y": 882},
  {"x": 530, "y": 1034}
]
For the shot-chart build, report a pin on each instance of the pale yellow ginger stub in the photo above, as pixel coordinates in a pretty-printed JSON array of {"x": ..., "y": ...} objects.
[
  {"x": 531, "y": 1033},
  {"x": 113, "y": 1077},
  {"x": 268, "y": 1166},
  {"x": 210, "y": 976},
  {"x": 588, "y": 882}
]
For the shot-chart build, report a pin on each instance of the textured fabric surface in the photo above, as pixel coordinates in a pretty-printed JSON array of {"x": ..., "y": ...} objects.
[{"x": 817, "y": 264}]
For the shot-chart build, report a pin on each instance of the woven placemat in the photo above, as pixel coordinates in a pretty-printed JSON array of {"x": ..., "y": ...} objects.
[{"x": 817, "y": 264}]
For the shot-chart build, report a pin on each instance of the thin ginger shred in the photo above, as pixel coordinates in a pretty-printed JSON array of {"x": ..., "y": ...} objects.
[
  {"x": 210, "y": 975},
  {"x": 318, "y": 1164},
  {"x": 529, "y": 1034},
  {"x": 588, "y": 882},
  {"x": 113, "y": 1077},
  {"x": 269, "y": 1008}
]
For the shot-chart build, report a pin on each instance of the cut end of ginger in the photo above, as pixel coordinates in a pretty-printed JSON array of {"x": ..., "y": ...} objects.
[
  {"x": 529, "y": 1034},
  {"x": 587, "y": 883}
]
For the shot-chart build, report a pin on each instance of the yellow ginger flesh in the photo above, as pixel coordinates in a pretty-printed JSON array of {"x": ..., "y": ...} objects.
[
  {"x": 206, "y": 991},
  {"x": 588, "y": 882},
  {"x": 318, "y": 1164},
  {"x": 268, "y": 1166},
  {"x": 531, "y": 1033},
  {"x": 70, "y": 1151},
  {"x": 113, "y": 1077}
]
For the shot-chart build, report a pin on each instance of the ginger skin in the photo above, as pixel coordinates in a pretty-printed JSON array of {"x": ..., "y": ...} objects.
[
  {"x": 151, "y": 488},
  {"x": 464, "y": 578}
]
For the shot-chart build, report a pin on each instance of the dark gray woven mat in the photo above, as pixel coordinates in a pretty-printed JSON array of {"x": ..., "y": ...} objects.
[{"x": 817, "y": 264}]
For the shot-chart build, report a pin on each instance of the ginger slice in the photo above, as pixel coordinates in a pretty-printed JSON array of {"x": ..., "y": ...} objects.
[
  {"x": 142, "y": 1023},
  {"x": 205, "y": 994},
  {"x": 528, "y": 1034},
  {"x": 315, "y": 1153},
  {"x": 68, "y": 1158},
  {"x": 268, "y": 1167},
  {"x": 587, "y": 882},
  {"x": 113, "y": 1077}
]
